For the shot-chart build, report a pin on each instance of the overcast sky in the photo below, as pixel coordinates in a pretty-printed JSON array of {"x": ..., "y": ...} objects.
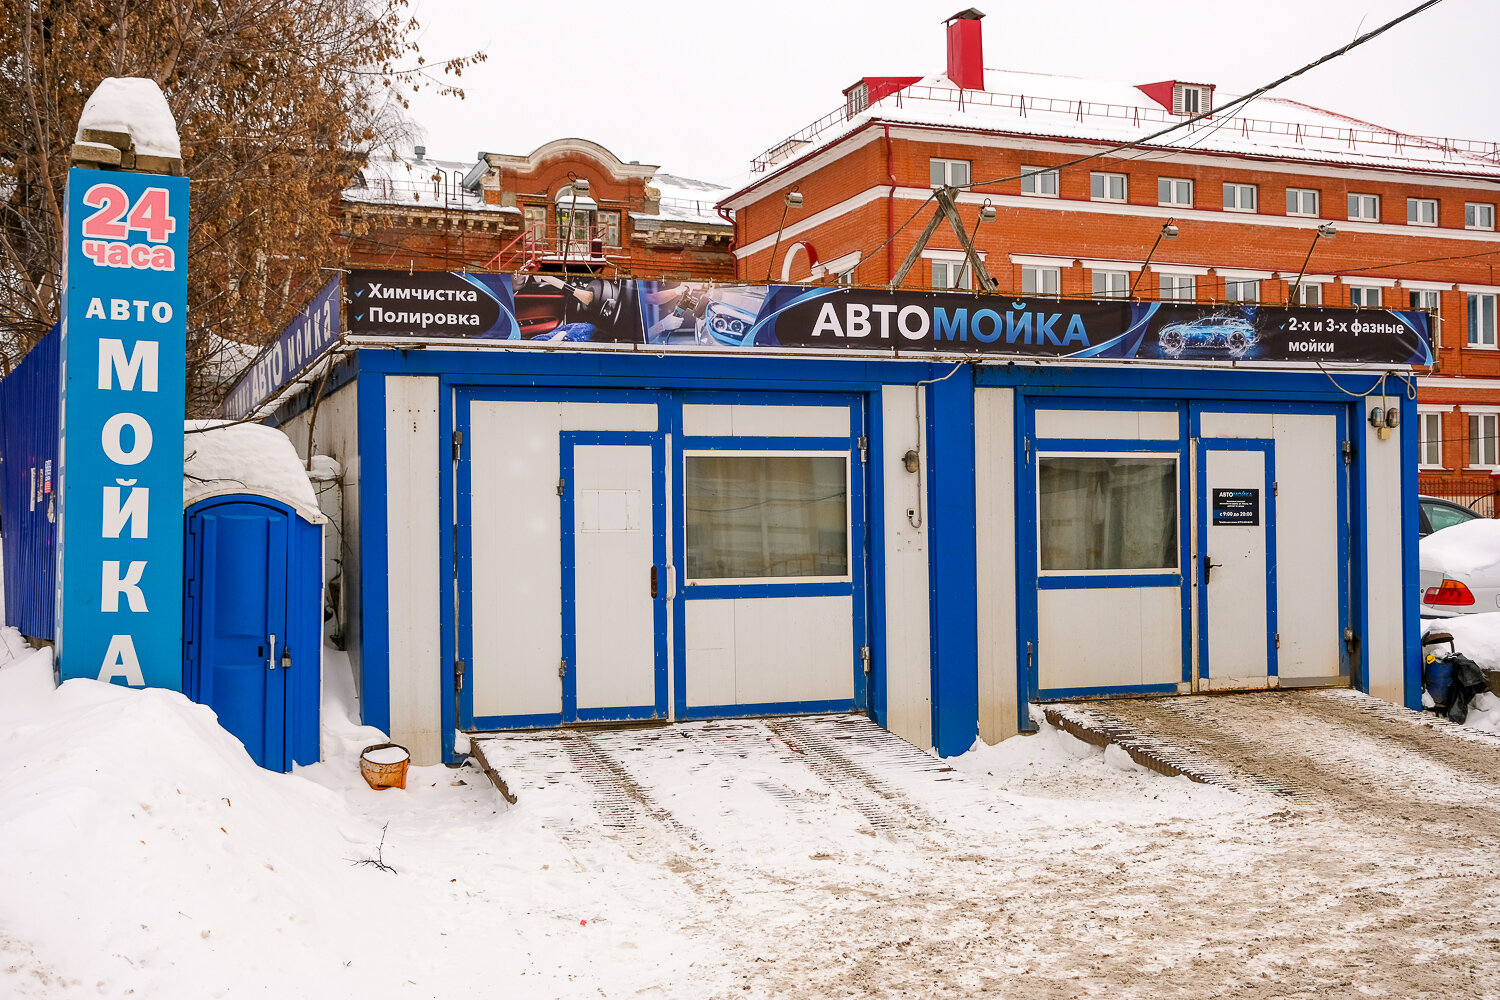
[{"x": 700, "y": 87}]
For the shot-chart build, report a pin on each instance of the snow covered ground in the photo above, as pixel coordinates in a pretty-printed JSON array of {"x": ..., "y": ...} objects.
[{"x": 142, "y": 854}]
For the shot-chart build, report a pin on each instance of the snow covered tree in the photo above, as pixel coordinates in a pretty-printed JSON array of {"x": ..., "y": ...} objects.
[{"x": 276, "y": 101}]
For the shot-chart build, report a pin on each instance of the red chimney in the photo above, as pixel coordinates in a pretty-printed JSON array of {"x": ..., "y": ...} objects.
[{"x": 966, "y": 49}]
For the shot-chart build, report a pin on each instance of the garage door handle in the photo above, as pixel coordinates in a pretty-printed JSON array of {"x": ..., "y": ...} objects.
[
  {"x": 1208, "y": 568},
  {"x": 653, "y": 581},
  {"x": 271, "y": 659}
]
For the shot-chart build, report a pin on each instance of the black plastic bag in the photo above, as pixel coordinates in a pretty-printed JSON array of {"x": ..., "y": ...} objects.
[{"x": 1468, "y": 680}]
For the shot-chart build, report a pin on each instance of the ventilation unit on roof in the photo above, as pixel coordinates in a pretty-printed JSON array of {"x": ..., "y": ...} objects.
[{"x": 1191, "y": 99}]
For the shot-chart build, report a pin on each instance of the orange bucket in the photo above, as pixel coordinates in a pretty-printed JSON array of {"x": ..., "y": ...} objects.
[{"x": 384, "y": 765}]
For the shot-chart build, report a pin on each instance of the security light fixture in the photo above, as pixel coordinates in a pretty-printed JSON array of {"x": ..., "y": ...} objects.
[
  {"x": 987, "y": 212},
  {"x": 793, "y": 200},
  {"x": 1324, "y": 232},
  {"x": 1168, "y": 232},
  {"x": 912, "y": 460}
]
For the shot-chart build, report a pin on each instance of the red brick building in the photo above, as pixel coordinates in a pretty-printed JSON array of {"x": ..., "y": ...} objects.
[
  {"x": 1388, "y": 219},
  {"x": 569, "y": 205}
]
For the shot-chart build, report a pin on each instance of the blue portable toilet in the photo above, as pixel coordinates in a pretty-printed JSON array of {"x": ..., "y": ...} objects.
[{"x": 253, "y": 607}]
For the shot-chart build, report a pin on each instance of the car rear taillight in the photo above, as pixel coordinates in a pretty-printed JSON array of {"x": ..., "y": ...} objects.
[{"x": 1450, "y": 592}]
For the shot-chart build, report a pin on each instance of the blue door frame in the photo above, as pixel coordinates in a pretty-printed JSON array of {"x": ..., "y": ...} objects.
[
  {"x": 623, "y": 713},
  {"x": 1267, "y": 448}
]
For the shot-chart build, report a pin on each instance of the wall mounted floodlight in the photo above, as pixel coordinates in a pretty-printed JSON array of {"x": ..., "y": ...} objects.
[
  {"x": 1168, "y": 232},
  {"x": 793, "y": 200},
  {"x": 1324, "y": 232}
]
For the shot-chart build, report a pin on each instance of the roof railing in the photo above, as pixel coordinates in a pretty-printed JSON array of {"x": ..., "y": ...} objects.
[{"x": 1401, "y": 144}]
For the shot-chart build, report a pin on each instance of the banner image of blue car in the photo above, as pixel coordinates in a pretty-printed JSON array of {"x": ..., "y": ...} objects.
[{"x": 862, "y": 319}]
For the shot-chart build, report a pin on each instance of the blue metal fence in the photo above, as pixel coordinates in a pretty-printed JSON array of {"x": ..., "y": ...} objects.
[{"x": 28, "y": 488}]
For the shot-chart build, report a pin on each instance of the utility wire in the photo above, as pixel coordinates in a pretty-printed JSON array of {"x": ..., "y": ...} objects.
[{"x": 1221, "y": 110}]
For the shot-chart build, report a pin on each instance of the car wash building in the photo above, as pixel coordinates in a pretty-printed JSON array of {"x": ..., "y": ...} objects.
[{"x": 582, "y": 501}]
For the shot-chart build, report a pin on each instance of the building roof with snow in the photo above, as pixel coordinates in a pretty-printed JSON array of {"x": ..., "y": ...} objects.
[{"x": 1070, "y": 108}]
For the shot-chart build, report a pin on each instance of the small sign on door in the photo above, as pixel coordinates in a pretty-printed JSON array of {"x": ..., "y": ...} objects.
[{"x": 1237, "y": 507}]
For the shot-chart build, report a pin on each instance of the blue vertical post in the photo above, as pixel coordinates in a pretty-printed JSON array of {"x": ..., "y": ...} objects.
[
  {"x": 121, "y": 403},
  {"x": 953, "y": 572}
]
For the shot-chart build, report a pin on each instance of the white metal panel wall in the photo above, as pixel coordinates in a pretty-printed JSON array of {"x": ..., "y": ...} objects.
[
  {"x": 515, "y": 537},
  {"x": 336, "y": 434},
  {"x": 995, "y": 543},
  {"x": 755, "y": 651},
  {"x": 1308, "y": 471},
  {"x": 1384, "y": 648},
  {"x": 751, "y": 420},
  {"x": 1117, "y": 425},
  {"x": 412, "y": 537},
  {"x": 908, "y": 636},
  {"x": 1144, "y": 630}
]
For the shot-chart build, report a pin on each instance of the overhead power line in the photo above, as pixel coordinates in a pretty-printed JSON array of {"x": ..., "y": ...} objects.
[{"x": 1134, "y": 143}]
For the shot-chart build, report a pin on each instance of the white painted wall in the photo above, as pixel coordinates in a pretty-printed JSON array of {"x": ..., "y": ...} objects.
[
  {"x": 1383, "y": 647},
  {"x": 754, "y": 420},
  {"x": 412, "y": 469},
  {"x": 336, "y": 434},
  {"x": 908, "y": 635},
  {"x": 995, "y": 538}
]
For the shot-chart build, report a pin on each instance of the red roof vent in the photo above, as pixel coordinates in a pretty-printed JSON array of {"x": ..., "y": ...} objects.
[{"x": 966, "y": 49}]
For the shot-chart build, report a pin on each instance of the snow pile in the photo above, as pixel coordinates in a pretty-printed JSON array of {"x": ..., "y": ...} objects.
[
  {"x": 1467, "y": 549},
  {"x": 137, "y": 106},
  {"x": 223, "y": 458}
]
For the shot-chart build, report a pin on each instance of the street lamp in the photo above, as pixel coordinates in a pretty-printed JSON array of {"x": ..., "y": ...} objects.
[
  {"x": 579, "y": 185},
  {"x": 1168, "y": 232},
  {"x": 1323, "y": 232},
  {"x": 793, "y": 200}
]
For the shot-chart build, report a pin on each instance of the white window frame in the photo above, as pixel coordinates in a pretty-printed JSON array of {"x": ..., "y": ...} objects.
[
  {"x": 1176, "y": 458},
  {"x": 1038, "y": 275},
  {"x": 1189, "y": 99},
  {"x": 1174, "y": 186},
  {"x": 1041, "y": 182},
  {"x": 1102, "y": 181},
  {"x": 1425, "y": 416},
  {"x": 1302, "y": 196},
  {"x": 779, "y": 453},
  {"x": 1116, "y": 284},
  {"x": 1479, "y": 307},
  {"x": 1479, "y": 215},
  {"x": 949, "y": 169},
  {"x": 1190, "y": 282},
  {"x": 1488, "y": 440},
  {"x": 1236, "y": 195},
  {"x": 1362, "y": 292},
  {"x": 955, "y": 271},
  {"x": 1416, "y": 208},
  {"x": 1241, "y": 290},
  {"x": 1358, "y": 203},
  {"x": 1309, "y": 293}
]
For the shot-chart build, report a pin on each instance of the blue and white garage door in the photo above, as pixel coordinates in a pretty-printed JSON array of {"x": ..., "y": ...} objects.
[
  {"x": 631, "y": 555},
  {"x": 1184, "y": 547}
]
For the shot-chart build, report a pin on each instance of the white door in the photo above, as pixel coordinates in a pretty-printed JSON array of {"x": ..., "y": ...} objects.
[
  {"x": 1237, "y": 625},
  {"x": 617, "y": 585}
]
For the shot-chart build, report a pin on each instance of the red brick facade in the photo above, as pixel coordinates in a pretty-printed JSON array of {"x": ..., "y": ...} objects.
[
  {"x": 510, "y": 213},
  {"x": 863, "y": 192}
]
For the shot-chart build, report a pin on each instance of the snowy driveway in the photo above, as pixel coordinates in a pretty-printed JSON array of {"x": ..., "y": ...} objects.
[{"x": 823, "y": 858}]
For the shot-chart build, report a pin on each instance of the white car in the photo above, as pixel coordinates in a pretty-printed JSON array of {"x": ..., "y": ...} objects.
[{"x": 1460, "y": 569}]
